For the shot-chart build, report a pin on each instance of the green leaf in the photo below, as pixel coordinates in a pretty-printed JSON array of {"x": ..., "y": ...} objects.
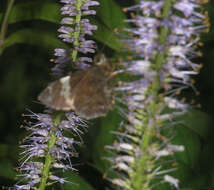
[
  {"x": 110, "y": 18},
  {"x": 197, "y": 121},
  {"x": 111, "y": 14},
  {"x": 104, "y": 137},
  {"x": 183, "y": 134},
  {"x": 49, "y": 41},
  {"x": 188, "y": 159},
  {"x": 6, "y": 170},
  {"x": 50, "y": 12},
  {"x": 34, "y": 37},
  {"x": 191, "y": 142},
  {"x": 35, "y": 10},
  {"x": 7, "y": 153},
  {"x": 107, "y": 36},
  {"x": 79, "y": 183}
]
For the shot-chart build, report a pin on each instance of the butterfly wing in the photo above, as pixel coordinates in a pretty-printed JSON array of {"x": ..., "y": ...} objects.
[
  {"x": 89, "y": 93},
  {"x": 57, "y": 94},
  {"x": 93, "y": 96}
]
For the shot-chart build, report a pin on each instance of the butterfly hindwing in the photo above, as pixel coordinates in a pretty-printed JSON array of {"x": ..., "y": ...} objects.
[{"x": 94, "y": 96}]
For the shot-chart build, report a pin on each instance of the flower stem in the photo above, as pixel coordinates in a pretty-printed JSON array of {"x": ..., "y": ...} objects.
[
  {"x": 48, "y": 162},
  {"x": 5, "y": 24},
  {"x": 154, "y": 105},
  {"x": 163, "y": 34},
  {"x": 77, "y": 33},
  {"x": 49, "y": 159}
]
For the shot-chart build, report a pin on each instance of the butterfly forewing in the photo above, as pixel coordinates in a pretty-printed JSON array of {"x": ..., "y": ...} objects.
[
  {"x": 57, "y": 94},
  {"x": 50, "y": 97},
  {"x": 94, "y": 97}
]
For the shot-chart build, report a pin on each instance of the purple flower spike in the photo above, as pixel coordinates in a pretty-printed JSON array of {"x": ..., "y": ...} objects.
[
  {"x": 67, "y": 34},
  {"x": 51, "y": 144},
  {"x": 36, "y": 145},
  {"x": 163, "y": 41}
]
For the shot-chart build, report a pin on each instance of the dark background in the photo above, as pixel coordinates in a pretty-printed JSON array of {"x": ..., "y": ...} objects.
[{"x": 25, "y": 71}]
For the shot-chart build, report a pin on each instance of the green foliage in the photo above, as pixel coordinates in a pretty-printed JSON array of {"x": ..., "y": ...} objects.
[
  {"x": 47, "y": 39},
  {"x": 50, "y": 12},
  {"x": 35, "y": 10},
  {"x": 108, "y": 124},
  {"x": 29, "y": 43},
  {"x": 79, "y": 182}
]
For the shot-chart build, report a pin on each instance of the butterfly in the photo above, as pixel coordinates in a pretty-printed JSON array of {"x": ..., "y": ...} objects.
[{"x": 89, "y": 93}]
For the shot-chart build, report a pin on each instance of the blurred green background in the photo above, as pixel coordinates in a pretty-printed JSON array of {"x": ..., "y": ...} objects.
[{"x": 25, "y": 71}]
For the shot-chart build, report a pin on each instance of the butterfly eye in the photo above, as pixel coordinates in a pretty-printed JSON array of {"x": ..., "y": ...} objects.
[{"x": 100, "y": 59}]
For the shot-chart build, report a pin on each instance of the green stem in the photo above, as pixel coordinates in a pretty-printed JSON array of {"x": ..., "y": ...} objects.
[
  {"x": 49, "y": 159},
  {"x": 48, "y": 163},
  {"x": 77, "y": 33},
  {"x": 153, "y": 107},
  {"x": 5, "y": 24}
]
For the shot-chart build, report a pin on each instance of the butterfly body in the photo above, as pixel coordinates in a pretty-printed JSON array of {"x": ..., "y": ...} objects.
[{"x": 88, "y": 92}]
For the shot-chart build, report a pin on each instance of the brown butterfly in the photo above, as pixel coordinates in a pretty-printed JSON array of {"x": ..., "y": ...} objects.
[{"x": 88, "y": 92}]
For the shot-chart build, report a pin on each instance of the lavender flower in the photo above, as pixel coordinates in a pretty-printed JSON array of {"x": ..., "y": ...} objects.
[
  {"x": 47, "y": 141},
  {"x": 47, "y": 148},
  {"x": 164, "y": 39},
  {"x": 73, "y": 30}
]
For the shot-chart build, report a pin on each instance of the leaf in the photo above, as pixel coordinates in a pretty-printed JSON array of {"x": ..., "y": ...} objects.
[
  {"x": 107, "y": 36},
  {"x": 6, "y": 170},
  {"x": 110, "y": 18},
  {"x": 187, "y": 160},
  {"x": 184, "y": 133},
  {"x": 191, "y": 142},
  {"x": 79, "y": 183},
  {"x": 104, "y": 137},
  {"x": 197, "y": 121},
  {"x": 111, "y": 14},
  {"x": 50, "y": 12},
  {"x": 35, "y": 10},
  {"x": 34, "y": 37},
  {"x": 6, "y": 152}
]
